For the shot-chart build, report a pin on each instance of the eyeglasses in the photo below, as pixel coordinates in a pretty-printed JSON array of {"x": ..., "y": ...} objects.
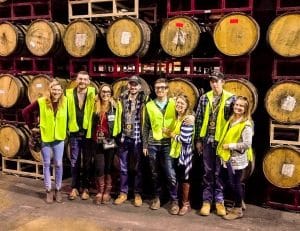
[
  {"x": 161, "y": 87},
  {"x": 106, "y": 92}
]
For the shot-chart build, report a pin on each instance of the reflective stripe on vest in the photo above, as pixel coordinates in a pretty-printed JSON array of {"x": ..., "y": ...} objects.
[
  {"x": 158, "y": 120},
  {"x": 53, "y": 127},
  {"x": 220, "y": 123}
]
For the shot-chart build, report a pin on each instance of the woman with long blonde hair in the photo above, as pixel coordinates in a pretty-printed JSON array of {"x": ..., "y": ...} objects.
[
  {"x": 235, "y": 151},
  {"x": 52, "y": 111}
]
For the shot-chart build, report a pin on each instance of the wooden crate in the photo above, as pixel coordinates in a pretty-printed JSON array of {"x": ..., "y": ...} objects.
[
  {"x": 287, "y": 134},
  {"x": 90, "y": 9},
  {"x": 22, "y": 167}
]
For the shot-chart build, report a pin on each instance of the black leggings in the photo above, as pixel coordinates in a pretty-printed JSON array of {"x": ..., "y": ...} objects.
[{"x": 103, "y": 161}]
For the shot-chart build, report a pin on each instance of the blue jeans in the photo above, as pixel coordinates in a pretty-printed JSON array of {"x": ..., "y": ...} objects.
[
  {"x": 80, "y": 146},
  {"x": 212, "y": 183},
  {"x": 57, "y": 148},
  {"x": 159, "y": 156},
  {"x": 130, "y": 153}
]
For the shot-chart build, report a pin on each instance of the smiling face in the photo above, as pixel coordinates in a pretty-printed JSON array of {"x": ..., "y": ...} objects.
[
  {"x": 181, "y": 106},
  {"x": 161, "y": 90},
  {"x": 240, "y": 107},
  {"x": 133, "y": 88},
  {"x": 55, "y": 92},
  {"x": 83, "y": 81},
  {"x": 105, "y": 93}
]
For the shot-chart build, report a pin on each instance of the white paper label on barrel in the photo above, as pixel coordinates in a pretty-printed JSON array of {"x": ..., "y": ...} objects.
[
  {"x": 6, "y": 148},
  {"x": 288, "y": 103},
  {"x": 287, "y": 170},
  {"x": 80, "y": 40},
  {"x": 179, "y": 38},
  {"x": 39, "y": 85},
  {"x": 125, "y": 38},
  {"x": 32, "y": 44},
  {"x": 2, "y": 91}
]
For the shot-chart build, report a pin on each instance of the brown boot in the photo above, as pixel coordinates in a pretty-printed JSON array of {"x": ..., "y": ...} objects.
[
  {"x": 49, "y": 196},
  {"x": 186, "y": 207},
  {"x": 100, "y": 190},
  {"x": 108, "y": 185},
  {"x": 235, "y": 213}
]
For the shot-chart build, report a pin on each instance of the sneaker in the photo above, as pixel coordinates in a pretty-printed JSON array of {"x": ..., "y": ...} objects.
[
  {"x": 49, "y": 197},
  {"x": 155, "y": 204},
  {"x": 235, "y": 213},
  {"x": 138, "y": 200},
  {"x": 221, "y": 211},
  {"x": 85, "y": 195},
  {"x": 174, "y": 208},
  {"x": 121, "y": 199},
  {"x": 58, "y": 196},
  {"x": 205, "y": 209},
  {"x": 73, "y": 194}
]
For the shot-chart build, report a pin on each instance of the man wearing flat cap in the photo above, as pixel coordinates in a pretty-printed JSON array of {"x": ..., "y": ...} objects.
[
  {"x": 128, "y": 127},
  {"x": 214, "y": 109}
]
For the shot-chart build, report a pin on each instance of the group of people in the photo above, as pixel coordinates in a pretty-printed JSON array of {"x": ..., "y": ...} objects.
[{"x": 164, "y": 130}]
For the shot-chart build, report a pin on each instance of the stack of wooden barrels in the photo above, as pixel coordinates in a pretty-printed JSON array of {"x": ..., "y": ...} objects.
[{"x": 281, "y": 164}]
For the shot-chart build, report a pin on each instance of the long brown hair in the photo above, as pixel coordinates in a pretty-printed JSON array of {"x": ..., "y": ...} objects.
[
  {"x": 98, "y": 100},
  {"x": 52, "y": 84},
  {"x": 187, "y": 101}
]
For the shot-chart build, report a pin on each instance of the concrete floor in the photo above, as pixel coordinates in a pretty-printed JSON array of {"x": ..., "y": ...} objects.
[{"x": 22, "y": 208}]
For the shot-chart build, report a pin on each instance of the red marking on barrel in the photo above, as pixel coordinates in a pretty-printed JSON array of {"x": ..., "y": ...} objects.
[
  {"x": 179, "y": 24},
  {"x": 234, "y": 20}
]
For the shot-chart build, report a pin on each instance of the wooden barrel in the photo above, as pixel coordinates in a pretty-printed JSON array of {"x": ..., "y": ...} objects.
[
  {"x": 243, "y": 87},
  {"x": 283, "y": 34},
  {"x": 182, "y": 86},
  {"x": 38, "y": 87},
  {"x": 281, "y": 166},
  {"x": 180, "y": 36},
  {"x": 13, "y": 141},
  {"x": 12, "y": 90},
  {"x": 120, "y": 86},
  {"x": 12, "y": 38},
  {"x": 81, "y": 37},
  {"x": 129, "y": 36},
  {"x": 44, "y": 37},
  {"x": 236, "y": 34},
  {"x": 282, "y": 101}
]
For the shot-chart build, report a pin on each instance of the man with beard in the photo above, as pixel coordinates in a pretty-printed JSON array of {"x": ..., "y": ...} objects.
[
  {"x": 80, "y": 106},
  {"x": 128, "y": 126}
]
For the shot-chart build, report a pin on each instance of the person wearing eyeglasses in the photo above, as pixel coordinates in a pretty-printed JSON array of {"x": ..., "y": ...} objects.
[
  {"x": 214, "y": 109},
  {"x": 235, "y": 150},
  {"x": 100, "y": 129},
  {"x": 128, "y": 129},
  {"x": 80, "y": 106},
  {"x": 52, "y": 113},
  {"x": 160, "y": 114}
]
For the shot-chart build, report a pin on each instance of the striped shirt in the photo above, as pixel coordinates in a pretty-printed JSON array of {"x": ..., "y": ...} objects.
[{"x": 186, "y": 153}]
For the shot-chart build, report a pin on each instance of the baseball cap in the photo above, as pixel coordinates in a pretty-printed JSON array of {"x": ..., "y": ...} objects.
[
  {"x": 134, "y": 79},
  {"x": 216, "y": 75}
]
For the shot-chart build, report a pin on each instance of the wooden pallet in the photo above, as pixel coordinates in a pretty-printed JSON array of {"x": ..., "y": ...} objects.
[
  {"x": 287, "y": 134},
  {"x": 90, "y": 9},
  {"x": 22, "y": 167}
]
